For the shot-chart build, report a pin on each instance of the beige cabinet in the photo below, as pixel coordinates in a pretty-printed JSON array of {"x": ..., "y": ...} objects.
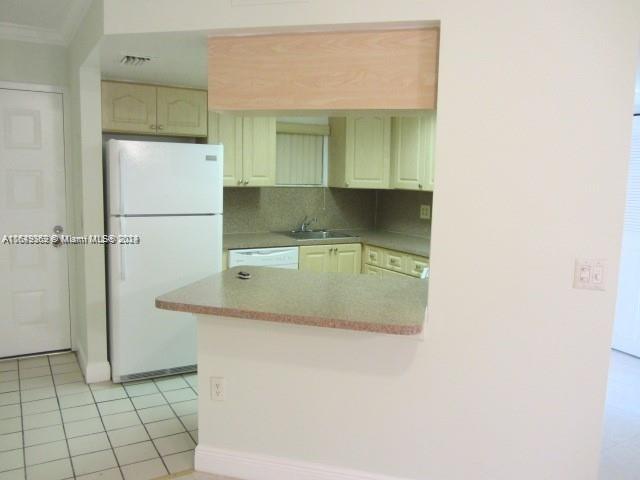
[
  {"x": 342, "y": 258},
  {"x": 249, "y": 148},
  {"x": 181, "y": 112},
  {"x": 128, "y": 108},
  {"x": 360, "y": 151},
  {"x": 412, "y": 140},
  {"x": 147, "y": 109},
  {"x": 386, "y": 262}
]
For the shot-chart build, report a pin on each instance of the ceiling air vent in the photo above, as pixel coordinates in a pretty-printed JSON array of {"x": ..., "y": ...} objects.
[{"x": 134, "y": 61}]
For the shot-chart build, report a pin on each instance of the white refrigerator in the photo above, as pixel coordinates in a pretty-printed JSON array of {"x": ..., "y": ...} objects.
[{"x": 170, "y": 196}]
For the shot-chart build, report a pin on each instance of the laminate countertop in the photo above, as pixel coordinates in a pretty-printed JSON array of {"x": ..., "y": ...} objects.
[
  {"x": 330, "y": 300},
  {"x": 378, "y": 238}
]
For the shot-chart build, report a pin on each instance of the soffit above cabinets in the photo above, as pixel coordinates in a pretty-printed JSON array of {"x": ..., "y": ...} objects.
[
  {"x": 42, "y": 21},
  {"x": 394, "y": 69}
]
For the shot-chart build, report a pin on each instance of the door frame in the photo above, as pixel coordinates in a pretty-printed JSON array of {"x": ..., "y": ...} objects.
[{"x": 70, "y": 218}]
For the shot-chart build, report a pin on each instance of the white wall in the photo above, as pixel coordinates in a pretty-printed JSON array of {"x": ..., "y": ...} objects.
[
  {"x": 534, "y": 119},
  {"x": 89, "y": 319},
  {"x": 38, "y": 63}
]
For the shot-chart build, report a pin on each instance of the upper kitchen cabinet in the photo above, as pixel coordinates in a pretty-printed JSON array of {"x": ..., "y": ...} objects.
[
  {"x": 128, "y": 108},
  {"x": 360, "y": 151},
  {"x": 249, "y": 148},
  {"x": 412, "y": 161},
  {"x": 147, "y": 109},
  {"x": 181, "y": 111},
  {"x": 259, "y": 151}
]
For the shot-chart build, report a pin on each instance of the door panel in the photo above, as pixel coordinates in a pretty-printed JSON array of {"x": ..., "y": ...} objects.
[
  {"x": 259, "y": 151},
  {"x": 368, "y": 151},
  {"x": 173, "y": 251},
  {"x": 227, "y": 130},
  {"x": 316, "y": 258},
  {"x": 182, "y": 112},
  {"x": 164, "y": 178},
  {"x": 348, "y": 258},
  {"x": 128, "y": 108},
  {"x": 34, "y": 289}
]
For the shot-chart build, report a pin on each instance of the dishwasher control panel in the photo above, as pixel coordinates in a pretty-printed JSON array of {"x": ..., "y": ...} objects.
[{"x": 278, "y": 257}]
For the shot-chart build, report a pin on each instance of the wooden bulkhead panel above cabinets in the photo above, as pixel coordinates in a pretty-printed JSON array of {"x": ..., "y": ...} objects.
[{"x": 385, "y": 70}]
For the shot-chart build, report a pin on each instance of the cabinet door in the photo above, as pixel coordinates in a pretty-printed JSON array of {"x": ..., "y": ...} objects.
[
  {"x": 227, "y": 130},
  {"x": 409, "y": 155},
  {"x": 368, "y": 151},
  {"x": 347, "y": 258},
  {"x": 259, "y": 151},
  {"x": 315, "y": 258},
  {"x": 128, "y": 108},
  {"x": 182, "y": 112}
]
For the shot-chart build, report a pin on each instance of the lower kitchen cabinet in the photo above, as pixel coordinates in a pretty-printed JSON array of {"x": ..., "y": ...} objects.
[
  {"x": 385, "y": 262},
  {"x": 343, "y": 258}
]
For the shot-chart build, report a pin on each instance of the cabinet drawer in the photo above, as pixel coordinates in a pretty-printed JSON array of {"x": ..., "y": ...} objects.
[
  {"x": 371, "y": 270},
  {"x": 416, "y": 265},
  {"x": 373, "y": 256},
  {"x": 394, "y": 261}
]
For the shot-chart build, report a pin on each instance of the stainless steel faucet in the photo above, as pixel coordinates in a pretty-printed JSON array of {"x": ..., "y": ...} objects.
[{"x": 305, "y": 226}]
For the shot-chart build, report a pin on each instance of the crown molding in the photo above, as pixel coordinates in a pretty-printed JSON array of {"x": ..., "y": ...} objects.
[{"x": 61, "y": 36}]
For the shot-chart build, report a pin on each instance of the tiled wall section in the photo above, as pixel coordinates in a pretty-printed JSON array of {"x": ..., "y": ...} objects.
[
  {"x": 399, "y": 211},
  {"x": 274, "y": 209}
]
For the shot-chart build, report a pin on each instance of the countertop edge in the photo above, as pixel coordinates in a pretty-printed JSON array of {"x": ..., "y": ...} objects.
[{"x": 322, "y": 322}]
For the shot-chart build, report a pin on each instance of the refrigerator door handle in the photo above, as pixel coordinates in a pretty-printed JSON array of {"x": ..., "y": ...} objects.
[
  {"x": 123, "y": 249},
  {"x": 121, "y": 167}
]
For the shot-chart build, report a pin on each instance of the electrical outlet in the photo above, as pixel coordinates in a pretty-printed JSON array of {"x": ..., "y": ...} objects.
[
  {"x": 218, "y": 389},
  {"x": 425, "y": 212},
  {"x": 589, "y": 274}
]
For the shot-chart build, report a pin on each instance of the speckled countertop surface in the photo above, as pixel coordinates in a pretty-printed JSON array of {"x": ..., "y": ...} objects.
[
  {"x": 394, "y": 241},
  {"x": 331, "y": 300}
]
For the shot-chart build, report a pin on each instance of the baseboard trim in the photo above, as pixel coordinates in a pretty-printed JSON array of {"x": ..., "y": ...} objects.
[
  {"x": 251, "y": 466},
  {"x": 93, "y": 372}
]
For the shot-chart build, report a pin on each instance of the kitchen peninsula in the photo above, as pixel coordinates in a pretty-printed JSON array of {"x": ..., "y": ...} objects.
[{"x": 309, "y": 348}]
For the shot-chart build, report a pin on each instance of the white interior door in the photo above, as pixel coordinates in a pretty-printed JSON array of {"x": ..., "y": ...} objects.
[
  {"x": 626, "y": 336},
  {"x": 34, "y": 288}
]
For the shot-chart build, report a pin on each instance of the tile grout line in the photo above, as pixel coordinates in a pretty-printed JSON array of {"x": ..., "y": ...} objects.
[
  {"x": 95, "y": 403},
  {"x": 24, "y": 448},
  {"x": 64, "y": 430},
  {"x": 175, "y": 413},
  {"x": 145, "y": 427}
]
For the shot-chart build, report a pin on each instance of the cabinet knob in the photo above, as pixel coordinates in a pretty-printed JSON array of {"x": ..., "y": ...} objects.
[
  {"x": 240, "y": 182},
  {"x": 152, "y": 126},
  {"x": 246, "y": 182},
  {"x": 420, "y": 186},
  {"x": 346, "y": 184},
  {"x": 160, "y": 127}
]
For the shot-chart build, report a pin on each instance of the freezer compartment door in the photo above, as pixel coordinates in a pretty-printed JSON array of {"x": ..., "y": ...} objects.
[
  {"x": 173, "y": 252},
  {"x": 160, "y": 178}
]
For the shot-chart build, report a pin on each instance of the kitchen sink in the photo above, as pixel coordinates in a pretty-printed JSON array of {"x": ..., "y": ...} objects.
[{"x": 318, "y": 235}]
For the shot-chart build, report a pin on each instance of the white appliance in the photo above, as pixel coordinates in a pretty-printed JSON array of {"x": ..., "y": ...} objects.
[
  {"x": 170, "y": 195},
  {"x": 285, "y": 257}
]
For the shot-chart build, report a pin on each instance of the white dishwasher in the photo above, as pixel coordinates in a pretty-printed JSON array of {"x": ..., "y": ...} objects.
[{"x": 280, "y": 257}]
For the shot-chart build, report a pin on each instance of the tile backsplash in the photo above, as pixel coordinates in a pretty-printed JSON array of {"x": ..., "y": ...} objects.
[
  {"x": 399, "y": 211},
  {"x": 274, "y": 209}
]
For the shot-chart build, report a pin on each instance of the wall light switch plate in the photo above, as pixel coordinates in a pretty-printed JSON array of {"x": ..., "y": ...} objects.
[
  {"x": 589, "y": 274},
  {"x": 425, "y": 212}
]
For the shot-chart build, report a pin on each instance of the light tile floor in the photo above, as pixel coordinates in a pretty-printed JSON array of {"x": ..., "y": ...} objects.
[
  {"x": 620, "y": 459},
  {"x": 55, "y": 427}
]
